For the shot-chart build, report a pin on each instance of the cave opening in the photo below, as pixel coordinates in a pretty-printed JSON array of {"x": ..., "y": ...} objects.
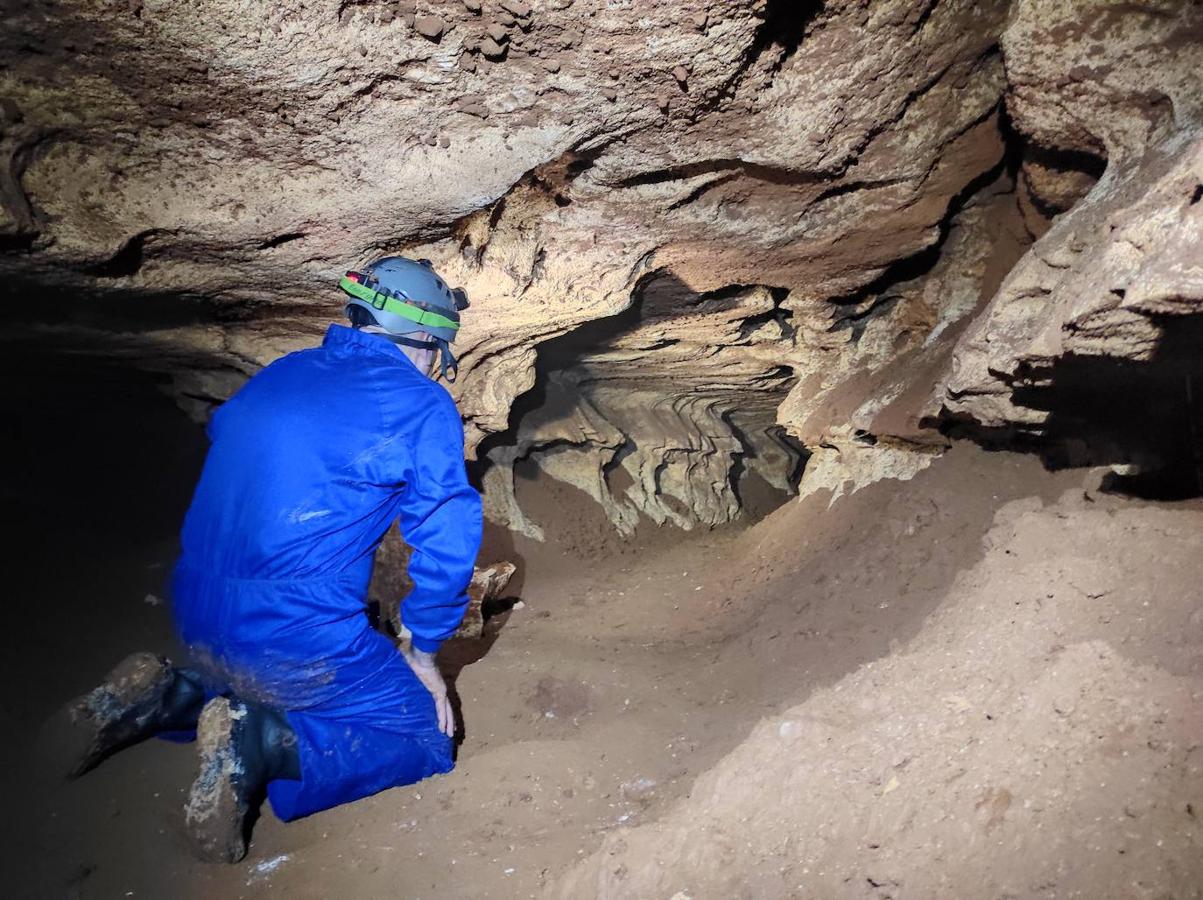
[
  {"x": 1049, "y": 181},
  {"x": 647, "y": 414},
  {"x": 1141, "y": 418},
  {"x": 1138, "y": 416}
]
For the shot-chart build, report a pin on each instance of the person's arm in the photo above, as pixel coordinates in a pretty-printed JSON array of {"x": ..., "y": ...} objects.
[{"x": 441, "y": 521}]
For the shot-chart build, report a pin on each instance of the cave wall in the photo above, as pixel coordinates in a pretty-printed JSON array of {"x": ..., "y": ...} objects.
[
  {"x": 791, "y": 211},
  {"x": 240, "y": 160},
  {"x": 1099, "y": 320}
]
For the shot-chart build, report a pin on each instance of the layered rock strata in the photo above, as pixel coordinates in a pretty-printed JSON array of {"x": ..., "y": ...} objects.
[
  {"x": 769, "y": 202},
  {"x": 187, "y": 183}
]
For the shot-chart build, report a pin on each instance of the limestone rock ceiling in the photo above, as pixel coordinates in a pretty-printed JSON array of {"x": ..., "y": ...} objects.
[{"x": 769, "y": 211}]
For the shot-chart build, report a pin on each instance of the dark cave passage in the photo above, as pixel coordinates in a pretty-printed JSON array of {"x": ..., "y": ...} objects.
[
  {"x": 642, "y": 412},
  {"x": 94, "y": 451}
]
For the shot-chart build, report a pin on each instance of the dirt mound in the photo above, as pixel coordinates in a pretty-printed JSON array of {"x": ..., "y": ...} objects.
[{"x": 1040, "y": 736}]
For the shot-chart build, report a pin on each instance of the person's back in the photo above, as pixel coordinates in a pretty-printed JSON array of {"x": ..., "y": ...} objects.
[{"x": 309, "y": 461}]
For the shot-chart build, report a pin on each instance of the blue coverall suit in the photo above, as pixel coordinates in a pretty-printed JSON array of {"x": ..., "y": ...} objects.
[{"x": 310, "y": 463}]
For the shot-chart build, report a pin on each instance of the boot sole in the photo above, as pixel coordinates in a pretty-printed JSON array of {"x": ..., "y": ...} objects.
[
  {"x": 215, "y": 813},
  {"x": 120, "y": 712}
]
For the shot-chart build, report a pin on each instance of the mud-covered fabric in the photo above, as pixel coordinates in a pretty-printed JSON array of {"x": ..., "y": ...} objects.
[{"x": 309, "y": 464}]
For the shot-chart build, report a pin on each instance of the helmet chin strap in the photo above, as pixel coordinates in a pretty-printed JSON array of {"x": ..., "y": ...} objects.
[{"x": 448, "y": 365}]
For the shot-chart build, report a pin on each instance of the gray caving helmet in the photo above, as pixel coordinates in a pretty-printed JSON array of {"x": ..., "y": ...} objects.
[{"x": 406, "y": 296}]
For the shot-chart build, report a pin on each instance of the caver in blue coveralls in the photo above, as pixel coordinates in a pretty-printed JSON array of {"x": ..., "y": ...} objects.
[{"x": 309, "y": 465}]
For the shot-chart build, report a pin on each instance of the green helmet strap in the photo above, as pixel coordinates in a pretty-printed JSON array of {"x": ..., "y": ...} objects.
[{"x": 391, "y": 304}]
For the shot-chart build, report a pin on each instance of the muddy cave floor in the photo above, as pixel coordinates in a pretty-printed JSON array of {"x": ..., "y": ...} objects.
[{"x": 631, "y": 670}]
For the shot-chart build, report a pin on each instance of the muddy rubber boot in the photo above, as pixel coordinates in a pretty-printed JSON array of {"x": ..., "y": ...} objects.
[
  {"x": 124, "y": 709},
  {"x": 242, "y": 747},
  {"x": 220, "y": 798}
]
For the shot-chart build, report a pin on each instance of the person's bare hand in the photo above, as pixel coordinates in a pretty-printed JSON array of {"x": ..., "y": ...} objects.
[{"x": 428, "y": 673}]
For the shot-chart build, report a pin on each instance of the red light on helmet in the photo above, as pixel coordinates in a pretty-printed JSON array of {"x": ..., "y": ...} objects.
[{"x": 354, "y": 276}]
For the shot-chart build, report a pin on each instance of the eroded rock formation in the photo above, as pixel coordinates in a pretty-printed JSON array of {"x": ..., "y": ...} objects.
[
  {"x": 654, "y": 416},
  {"x": 1096, "y": 329},
  {"x": 699, "y": 221},
  {"x": 192, "y": 180}
]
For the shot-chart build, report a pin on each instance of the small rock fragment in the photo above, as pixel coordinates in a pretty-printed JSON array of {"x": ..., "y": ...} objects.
[
  {"x": 492, "y": 49},
  {"x": 473, "y": 6},
  {"x": 467, "y": 63},
  {"x": 681, "y": 74},
  {"x": 497, "y": 33},
  {"x": 507, "y": 20},
  {"x": 475, "y": 109},
  {"x": 444, "y": 141},
  {"x": 516, "y": 7},
  {"x": 699, "y": 20},
  {"x": 431, "y": 27},
  {"x": 610, "y": 94},
  {"x": 551, "y": 64}
]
